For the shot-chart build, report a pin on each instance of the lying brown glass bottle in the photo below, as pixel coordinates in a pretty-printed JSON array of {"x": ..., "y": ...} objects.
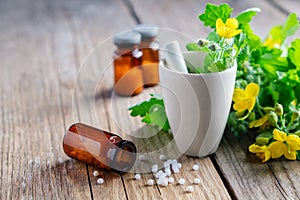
[{"x": 96, "y": 147}]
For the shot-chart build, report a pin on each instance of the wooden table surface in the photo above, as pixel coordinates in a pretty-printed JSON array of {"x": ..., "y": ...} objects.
[{"x": 56, "y": 70}]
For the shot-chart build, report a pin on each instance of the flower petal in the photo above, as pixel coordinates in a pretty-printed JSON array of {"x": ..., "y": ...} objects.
[
  {"x": 238, "y": 94},
  {"x": 279, "y": 135},
  {"x": 290, "y": 155},
  {"x": 293, "y": 142},
  {"x": 241, "y": 105},
  {"x": 252, "y": 90},
  {"x": 232, "y": 23},
  {"x": 223, "y": 31},
  {"x": 235, "y": 32},
  {"x": 253, "y": 148},
  {"x": 267, "y": 156},
  {"x": 219, "y": 23},
  {"x": 251, "y": 104},
  {"x": 277, "y": 149},
  {"x": 259, "y": 122}
]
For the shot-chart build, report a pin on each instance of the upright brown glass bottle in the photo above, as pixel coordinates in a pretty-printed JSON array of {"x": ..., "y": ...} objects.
[
  {"x": 150, "y": 49},
  {"x": 97, "y": 147},
  {"x": 127, "y": 61}
]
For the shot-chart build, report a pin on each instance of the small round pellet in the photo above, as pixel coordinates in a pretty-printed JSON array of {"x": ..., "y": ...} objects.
[
  {"x": 137, "y": 176},
  {"x": 196, "y": 180},
  {"x": 176, "y": 170},
  {"x": 168, "y": 171},
  {"x": 171, "y": 180},
  {"x": 142, "y": 157},
  {"x": 195, "y": 167},
  {"x": 181, "y": 181},
  {"x": 100, "y": 181},
  {"x": 164, "y": 183},
  {"x": 162, "y": 157},
  {"x": 179, "y": 165},
  {"x": 95, "y": 173},
  {"x": 189, "y": 188},
  {"x": 150, "y": 182}
]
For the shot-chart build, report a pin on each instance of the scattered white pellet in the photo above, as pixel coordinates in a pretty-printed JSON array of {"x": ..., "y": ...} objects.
[
  {"x": 154, "y": 168},
  {"x": 174, "y": 162},
  {"x": 164, "y": 183},
  {"x": 175, "y": 170},
  {"x": 179, "y": 165},
  {"x": 195, "y": 167},
  {"x": 196, "y": 180},
  {"x": 168, "y": 162},
  {"x": 171, "y": 180},
  {"x": 162, "y": 157},
  {"x": 189, "y": 188},
  {"x": 137, "y": 176},
  {"x": 142, "y": 157},
  {"x": 100, "y": 181},
  {"x": 150, "y": 182},
  {"x": 181, "y": 181},
  {"x": 159, "y": 174},
  {"x": 168, "y": 171},
  {"x": 159, "y": 182},
  {"x": 166, "y": 165},
  {"x": 95, "y": 173}
]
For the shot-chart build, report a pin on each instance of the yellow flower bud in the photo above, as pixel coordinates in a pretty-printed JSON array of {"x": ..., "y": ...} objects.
[
  {"x": 273, "y": 119},
  {"x": 278, "y": 109},
  {"x": 295, "y": 115}
]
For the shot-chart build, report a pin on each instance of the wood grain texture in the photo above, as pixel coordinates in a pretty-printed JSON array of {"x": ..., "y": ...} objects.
[
  {"x": 42, "y": 46},
  {"x": 56, "y": 69}
]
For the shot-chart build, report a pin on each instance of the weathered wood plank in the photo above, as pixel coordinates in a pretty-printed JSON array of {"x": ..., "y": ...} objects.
[
  {"x": 42, "y": 46},
  {"x": 33, "y": 124}
]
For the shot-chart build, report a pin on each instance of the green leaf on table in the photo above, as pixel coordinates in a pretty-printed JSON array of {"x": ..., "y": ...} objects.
[
  {"x": 213, "y": 12},
  {"x": 294, "y": 53},
  {"x": 152, "y": 112}
]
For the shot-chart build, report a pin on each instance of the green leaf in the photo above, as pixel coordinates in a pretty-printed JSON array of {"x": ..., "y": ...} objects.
[
  {"x": 152, "y": 112},
  {"x": 298, "y": 155},
  {"x": 263, "y": 138},
  {"x": 296, "y": 89},
  {"x": 193, "y": 47},
  {"x": 245, "y": 17},
  {"x": 294, "y": 53},
  {"x": 213, "y": 12},
  {"x": 282, "y": 93},
  {"x": 290, "y": 27},
  {"x": 213, "y": 37}
]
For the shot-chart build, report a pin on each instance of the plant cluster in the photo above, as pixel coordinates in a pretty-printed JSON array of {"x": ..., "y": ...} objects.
[{"x": 267, "y": 94}]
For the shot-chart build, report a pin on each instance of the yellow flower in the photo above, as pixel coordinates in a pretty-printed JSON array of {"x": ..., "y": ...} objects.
[
  {"x": 271, "y": 43},
  {"x": 245, "y": 99},
  {"x": 260, "y": 122},
  {"x": 262, "y": 152},
  {"x": 229, "y": 29},
  {"x": 266, "y": 121},
  {"x": 286, "y": 145}
]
